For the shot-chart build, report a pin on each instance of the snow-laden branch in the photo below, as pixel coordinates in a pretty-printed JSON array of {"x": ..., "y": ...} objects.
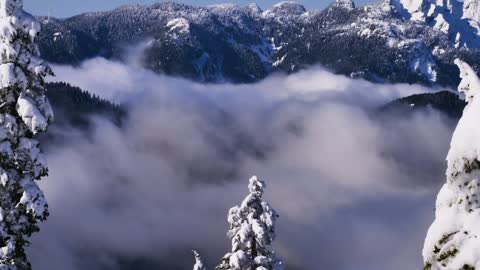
[
  {"x": 24, "y": 112},
  {"x": 453, "y": 240}
]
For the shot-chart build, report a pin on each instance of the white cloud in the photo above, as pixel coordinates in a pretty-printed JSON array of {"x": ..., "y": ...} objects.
[
  {"x": 346, "y": 184},
  {"x": 119, "y": 82}
]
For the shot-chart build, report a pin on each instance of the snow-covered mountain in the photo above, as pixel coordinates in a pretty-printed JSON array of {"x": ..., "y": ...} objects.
[
  {"x": 394, "y": 41},
  {"x": 460, "y": 20}
]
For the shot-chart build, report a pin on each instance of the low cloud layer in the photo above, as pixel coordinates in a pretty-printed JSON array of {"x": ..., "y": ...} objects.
[{"x": 354, "y": 191}]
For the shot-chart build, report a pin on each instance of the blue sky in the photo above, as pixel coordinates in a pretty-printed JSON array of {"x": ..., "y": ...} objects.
[{"x": 65, "y": 8}]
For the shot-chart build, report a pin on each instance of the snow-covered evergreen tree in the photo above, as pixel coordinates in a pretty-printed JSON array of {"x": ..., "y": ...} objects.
[
  {"x": 453, "y": 240},
  {"x": 199, "y": 265},
  {"x": 24, "y": 112},
  {"x": 252, "y": 230}
]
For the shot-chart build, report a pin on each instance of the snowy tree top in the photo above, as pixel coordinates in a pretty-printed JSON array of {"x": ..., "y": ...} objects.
[
  {"x": 8, "y": 7},
  {"x": 470, "y": 84},
  {"x": 21, "y": 67},
  {"x": 256, "y": 186},
  {"x": 465, "y": 146},
  {"x": 252, "y": 230},
  {"x": 13, "y": 18},
  {"x": 199, "y": 265}
]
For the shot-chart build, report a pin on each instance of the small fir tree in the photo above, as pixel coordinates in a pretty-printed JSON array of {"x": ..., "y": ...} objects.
[
  {"x": 199, "y": 265},
  {"x": 252, "y": 230}
]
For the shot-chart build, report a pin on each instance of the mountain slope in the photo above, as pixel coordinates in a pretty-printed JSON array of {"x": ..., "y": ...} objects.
[
  {"x": 446, "y": 102},
  {"x": 381, "y": 42},
  {"x": 74, "y": 107}
]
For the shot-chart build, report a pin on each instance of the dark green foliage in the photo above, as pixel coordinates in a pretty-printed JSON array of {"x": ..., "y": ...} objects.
[
  {"x": 447, "y": 254},
  {"x": 446, "y": 237},
  {"x": 471, "y": 165},
  {"x": 75, "y": 107},
  {"x": 445, "y": 101}
]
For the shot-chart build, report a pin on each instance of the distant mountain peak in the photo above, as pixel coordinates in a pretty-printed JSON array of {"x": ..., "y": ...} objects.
[
  {"x": 414, "y": 10},
  {"x": 255, "y": 8},
  {"x": 224, "y": 6},
  {"x": 288, "y": 8},
  {"x": 460, "y": 20},
  {"x": 471, "y": 10},
  {"x": 348, "y": 4}
]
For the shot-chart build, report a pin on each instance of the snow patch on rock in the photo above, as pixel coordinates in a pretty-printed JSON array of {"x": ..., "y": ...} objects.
[{"x": 180, "y": 25}]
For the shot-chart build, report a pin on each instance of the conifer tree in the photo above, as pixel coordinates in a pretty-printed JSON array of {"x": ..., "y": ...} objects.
[
  {"x": 453, "y": 240},
  {"x": 24, "y": 112},
  {"x": 199, "y": 265},
  {"x": 252, "y": 230}
]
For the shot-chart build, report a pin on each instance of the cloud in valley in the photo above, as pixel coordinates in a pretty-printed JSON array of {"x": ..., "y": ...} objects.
[{"x": 353, "y": 190}]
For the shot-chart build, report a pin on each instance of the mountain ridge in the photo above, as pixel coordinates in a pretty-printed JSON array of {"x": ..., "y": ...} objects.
[{"x": 221, "y": 43}]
